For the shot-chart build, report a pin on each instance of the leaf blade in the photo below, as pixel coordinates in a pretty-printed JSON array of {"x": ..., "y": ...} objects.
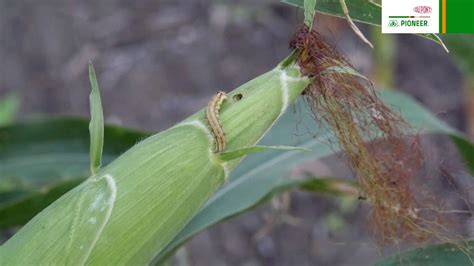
[
  {"x": 309, "y": 12},
  {"x": 8, "y": 109},
  {"x": 96, "y": 125},
  {"x": 436, "y": 255},
  {"x": 364, "y": 11},
  {"x": 234, "y": 154},
  {"x": 42, "y": 159}
]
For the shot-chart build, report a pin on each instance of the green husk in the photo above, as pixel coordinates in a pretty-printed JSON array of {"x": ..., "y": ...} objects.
[{"x": 131, "y": 209}]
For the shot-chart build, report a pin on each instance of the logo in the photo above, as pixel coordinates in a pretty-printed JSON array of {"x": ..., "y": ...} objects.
[
  {"x": 412, "y": 16},
  {"x": 393, "y": 23},
  {"x": 422, "y": 9}
]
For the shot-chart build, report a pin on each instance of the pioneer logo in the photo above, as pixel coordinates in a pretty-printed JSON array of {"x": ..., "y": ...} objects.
[
  {"x": 422, "y": 9},
  {"x": 412, "y": 16}
]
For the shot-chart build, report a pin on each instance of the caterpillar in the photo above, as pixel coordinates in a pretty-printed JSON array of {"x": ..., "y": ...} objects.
[{"x": 212, "y": 118}]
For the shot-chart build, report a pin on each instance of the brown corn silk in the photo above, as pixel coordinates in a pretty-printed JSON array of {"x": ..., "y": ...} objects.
[{"x": 347, "y": 104}]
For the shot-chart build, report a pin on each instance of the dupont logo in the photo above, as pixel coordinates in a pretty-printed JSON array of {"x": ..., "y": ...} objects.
[
  {"x": 422, "y": 9},
  {"x": 426, "y": 16}
]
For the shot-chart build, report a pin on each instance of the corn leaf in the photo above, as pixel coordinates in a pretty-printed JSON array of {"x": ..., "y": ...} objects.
[
  {"x": 309, "y": 12},
  {"x": 436, "y": 255},
  {"x": 42, "y": 159},
  {"x": 8, "y": 109},
  {"x": 231, "y": 155},
  {"x": 330, "y": 186},
  {"x": 462, "y": 49},
  {"x": 20, "y": 205},
  {"x": 96, "y": 126},
  {"x": 466, "y": 149},
  {"x": 364, "y": 11}
]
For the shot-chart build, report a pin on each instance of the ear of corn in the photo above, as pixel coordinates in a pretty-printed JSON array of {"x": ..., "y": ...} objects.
[{"x": 128, "y": 211}]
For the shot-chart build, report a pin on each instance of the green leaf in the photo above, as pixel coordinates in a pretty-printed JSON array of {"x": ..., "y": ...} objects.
[
  {"x": 462, "y": 49},
  {"x": 234, "y": 154},
  {"x": 345, "y": 70},
  {"x": 436, "y": 255},
  {"x": 268, "y": 172},
  {"x": 96, "y": 125},
  {"x": 19, "y": 206},
  {"x": 424, "y": 120},
  {"x": 8, "y": 109},
  {"x": 361, "y": 10},
  {"x": 364, "y": 11},
  {"x": 466, "y": 148},
  {"x": 309, "y": 12},
  {"x": 42, "y": 159},
  {"x": 330, "y": 185}
]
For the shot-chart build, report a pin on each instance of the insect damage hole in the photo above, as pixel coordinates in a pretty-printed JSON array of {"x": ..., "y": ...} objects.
[{"x": 237, "y": 97}]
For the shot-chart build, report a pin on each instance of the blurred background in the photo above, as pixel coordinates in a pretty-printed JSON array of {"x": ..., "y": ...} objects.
[{"x": 159, "y": 61}]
